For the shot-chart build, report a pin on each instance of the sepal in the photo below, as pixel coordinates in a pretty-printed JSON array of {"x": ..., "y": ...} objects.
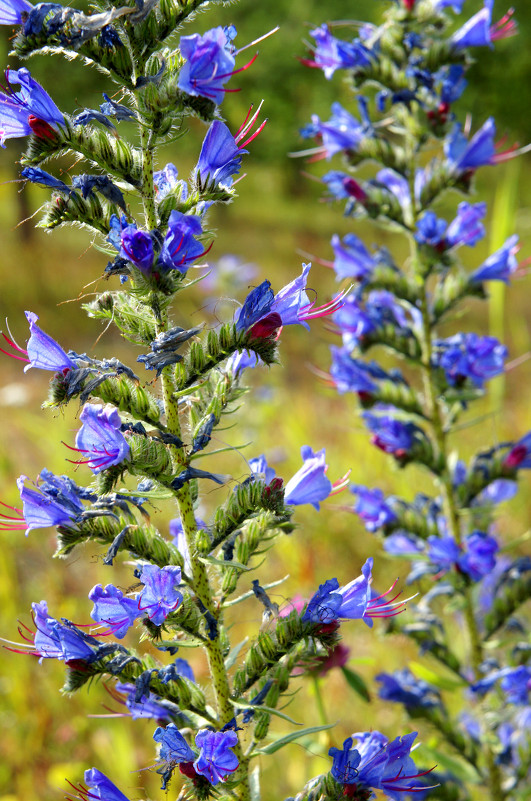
[
  {"x": 506, "y": 602},
  {"x": 111, "y": 153},
  {"x": 204, "y": 356},
  {"x": 131, "y": 317}
]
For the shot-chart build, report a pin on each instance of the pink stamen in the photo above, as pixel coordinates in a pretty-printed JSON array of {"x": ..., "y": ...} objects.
[
  {"x": 340, "y": 484},
  {"x": 14, "y": 344},
  {"x": 235, "y": 72},
  {"x": 14, "y": 356},
  {"x": 253, "y": 136},
  {"x": 504, "y": 28},
  {"x": 391, "y": 588},
  {"x": 242, "y": 126}
]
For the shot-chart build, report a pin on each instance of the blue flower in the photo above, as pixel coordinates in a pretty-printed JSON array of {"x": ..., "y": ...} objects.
[
  {"x": 173, "y": 747},
  {"x": 377, "y": 764},
  {"x": 221, "y": 155},
  {"x": 43, "y": 351},
  {"x": 99, "y": 786},
  {"x": 260, "y": 468},
  {"x": 479, "y": 32},
  {"x": 137, "y": 247},
  {"x": 390, "y": 435},
  {"x": 331, "y": 54},
  {"x": 209, "y": 63},
  {"x": 99, "y": 439},
  {"x": 372, "y": 507},
  {"x": 30, "y": 110},
  {"x": 354, "y": 601},
  {"x": 114, "y": 609},
  {"x": 402, "y": 687},
  {"x": 38, "y": 176},
  {"x": 148, "y": 706},
  {"x": 53, "y": 502},
  {"x": 479, "y": 556},
  {"x": 469, "y": 356},
  {"x": 342, "y": 186},
  {"x": 62, "y": 641},
  {"x": 160, "y": 595},
  {"x": 241, "y": 361},
  {"x": 398, "y": 186},
  {"x": 309, "y": 484},
  {"x": 456, "y": 5},
  {"x": 11, "y": 11},
  {"x": 430, "y": 230},
  {"x": 354, "y": 375},
  {"x": 464, "y": 155},
  {"x": 500, "y": 265},
  {"x": 180, "y": 247},
  {"x": 341, "y": 132},
  {"x": 351, "y": 258},
  {"x": 165, "y": 181},
  {"x": 216, "y": 760},
  {"x": 519, "y": 457},
  {"x": 466, "y": 228}
]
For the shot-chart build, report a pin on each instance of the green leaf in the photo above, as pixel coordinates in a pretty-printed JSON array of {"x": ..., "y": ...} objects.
[
  {"x": 233, "y": 655},
  {"x": 356, "y": 683},
  {"x": 443, "y": 682},
  {"x": 263, "y": 708},
  {"x": 211, "y": 560},
  {"x": 275, "y": 746},
  {"x": 457, "y": 767}
]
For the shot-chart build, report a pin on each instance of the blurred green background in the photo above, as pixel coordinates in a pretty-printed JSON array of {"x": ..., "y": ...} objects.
[{"x": 277, "y": 221}]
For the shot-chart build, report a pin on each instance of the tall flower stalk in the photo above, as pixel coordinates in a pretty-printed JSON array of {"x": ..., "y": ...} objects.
[
  {"x": 140, "y": 439},
  {"x": 407, "y": 77}
]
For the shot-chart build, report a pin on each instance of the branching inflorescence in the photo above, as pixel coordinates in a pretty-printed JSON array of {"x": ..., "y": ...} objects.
[
  {"x": 153, "y": 226},
  {"x": 406, "y": 78}
]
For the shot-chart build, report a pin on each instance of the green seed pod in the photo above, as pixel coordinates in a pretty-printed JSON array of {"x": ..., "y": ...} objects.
[{"x": 261, "y": 725}]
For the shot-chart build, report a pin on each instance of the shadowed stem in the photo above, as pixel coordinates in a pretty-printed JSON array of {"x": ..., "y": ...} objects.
[
  {"x": 435, "y": 413},
  {"x": 200, "y": 583}
]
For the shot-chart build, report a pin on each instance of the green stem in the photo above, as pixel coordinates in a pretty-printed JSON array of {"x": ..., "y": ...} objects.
[
  {"x": 200, "y": 584},
  {"x": 319, "y": 700},
  {"x": 435, "y": 414}
]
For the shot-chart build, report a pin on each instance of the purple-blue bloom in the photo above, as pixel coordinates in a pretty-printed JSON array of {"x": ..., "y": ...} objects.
[
  {"x": 216, "y": 760},
  {"x": 309, "y": 484},
  {"x": 54, "y": 640},
  {"x": 173, "y": 747},
  {"x": 43, "y": 351},
  {"x": 341, "y": 132},
  {"x": 478, "y": 31},
  {"x": 148, "y": 706},
  {"x": 209, "y": 63},
  {"x": 466, "y": 228},
  {"x": 53, "y": 502},
  {"x": 221, "y": 156},
  {"x": 137, "y": 247},
  {"x": 479, "y": 556},
  {"x": 402, "y": 687},
  {"x": 390, "y": 435},
  {"x": 11, "y": 11},
  {"x": 180, "y": 247},
  {"x": 372, "y": 507},
  {"x": 331, "y": 54},
  {"x": 352, "y": 375},
  {"x": 99, "y": 786},
  {"x": 99, "y": 439},
  {"x": 166, "y": 181},
  {"x": 114, "y": 609},
  {"x": 160, "y": 595},
  {"x": 431, "y": 230},
  {"x": 464, "y": 155},
  {"x": 377, "y": 764},
  {"x": 354, "y": 601},
  {"x": 470, "y": 356},
  {"x": 30, "y": 110},
  {"x": 351, "y": 258},
  {"x": 500, "y": 265},
  {"x": 260, "y": 468}
]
